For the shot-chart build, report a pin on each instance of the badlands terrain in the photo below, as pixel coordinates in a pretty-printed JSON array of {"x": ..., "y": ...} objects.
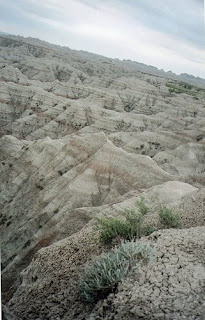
[{"x": 84, "y": 136}]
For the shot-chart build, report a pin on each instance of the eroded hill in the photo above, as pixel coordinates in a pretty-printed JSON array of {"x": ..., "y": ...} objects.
[{"x": 83, "y": 135}]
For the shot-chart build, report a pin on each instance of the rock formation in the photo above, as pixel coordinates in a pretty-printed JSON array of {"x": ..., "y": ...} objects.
[{"x": 84, "y": 136}]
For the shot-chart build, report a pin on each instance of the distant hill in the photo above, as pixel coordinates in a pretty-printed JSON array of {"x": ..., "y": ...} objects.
[
  {"x": 132, "y": 65},
  {"x": 197, "y": 81}
]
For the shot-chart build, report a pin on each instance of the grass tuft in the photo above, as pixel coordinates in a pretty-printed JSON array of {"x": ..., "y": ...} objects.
[
  {"x": 168, "y": 219},
  {"x": 103, "y": 275}
]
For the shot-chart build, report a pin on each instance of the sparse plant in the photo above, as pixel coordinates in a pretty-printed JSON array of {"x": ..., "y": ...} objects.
[
  {"x": 168, "y": 218},
  {"x": 147, "y": 230},
  {"x": 136, "y": 219},
  {"x": 132, "y": 227},
  {"x": 103, "y": 275},
  {"x": 185, "y": 88},
  {"x": 112, "y": 228},
  {"x": 171, "y": 90},
  {"x": 142, "y": 207}
]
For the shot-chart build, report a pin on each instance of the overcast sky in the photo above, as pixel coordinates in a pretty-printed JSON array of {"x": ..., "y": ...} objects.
[{"x": 168, "y": 34}]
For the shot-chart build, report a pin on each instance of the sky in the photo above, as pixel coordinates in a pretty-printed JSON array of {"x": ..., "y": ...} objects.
[{"x": 168, "y": 34}]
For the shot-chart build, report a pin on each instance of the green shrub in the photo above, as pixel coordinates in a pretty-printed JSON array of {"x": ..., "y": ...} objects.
[
  {"x": 187, "y": 86},
  {"x": 147, "y": 230},
  {"x": 143, "y": 209},
  {"x": 171, "y": 90},
  {"x": 168, "y": 219},
  {"x": 133, "y": 225},
  {"x": 130, "y": 228},
  {"x": 135, "y": 221},
  {"x": 103, "y": 275},
  {"x": 112, "y": 228}
]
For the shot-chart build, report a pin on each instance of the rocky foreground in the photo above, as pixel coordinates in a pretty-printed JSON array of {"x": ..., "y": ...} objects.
[{"x": 85, "y": 136}]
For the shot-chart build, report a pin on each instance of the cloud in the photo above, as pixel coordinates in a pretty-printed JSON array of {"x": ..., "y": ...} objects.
[
  {"x": 168, "y": 34},
  {"x": 182, "y": 18}
]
